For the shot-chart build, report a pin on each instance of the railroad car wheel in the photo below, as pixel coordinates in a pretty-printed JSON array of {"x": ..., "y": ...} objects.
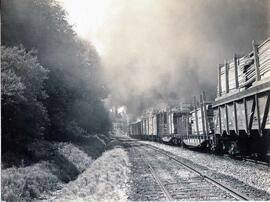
[
  {"x": 174, "y": 141},
  {"x": 179, "y": 142},
  {"x": 217, "y": 145},
  {"x": 233, "y": 148}
]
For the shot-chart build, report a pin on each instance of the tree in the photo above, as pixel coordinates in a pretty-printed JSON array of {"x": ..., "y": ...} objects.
[
  {"x": 24, "y": 117},
  {"x": 75, "y": 74}
]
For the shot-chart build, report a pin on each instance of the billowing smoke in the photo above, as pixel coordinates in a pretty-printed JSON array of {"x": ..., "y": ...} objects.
[{"x": 163, "y": 51}]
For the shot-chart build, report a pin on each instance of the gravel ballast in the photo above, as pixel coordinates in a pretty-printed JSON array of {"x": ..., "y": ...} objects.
[{"x": 255, "y": 175}]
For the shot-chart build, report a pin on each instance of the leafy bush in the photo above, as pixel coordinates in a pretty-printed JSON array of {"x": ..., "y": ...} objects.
[
  {"x": 74, "y": 155},
  {"x": 92, "y": 145},
  {"x": 19, "y": 184},
  {"x": 65, "y": 162}
]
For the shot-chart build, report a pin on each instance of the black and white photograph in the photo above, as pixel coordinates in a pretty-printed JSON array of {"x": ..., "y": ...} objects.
[{"x": 135, "y": 100}]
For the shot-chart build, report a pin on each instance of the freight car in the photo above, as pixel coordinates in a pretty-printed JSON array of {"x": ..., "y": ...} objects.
[
  {"x": 162, "y": 125},
  {"x": 201, "y": 123},
  {"x": 238, "y": 121},
  {"x": 176, "y": 125},
  {"x": 241, "y": 109}
]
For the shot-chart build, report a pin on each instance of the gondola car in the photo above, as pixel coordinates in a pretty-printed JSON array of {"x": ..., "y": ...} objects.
[{"x": 241, "y": 109}]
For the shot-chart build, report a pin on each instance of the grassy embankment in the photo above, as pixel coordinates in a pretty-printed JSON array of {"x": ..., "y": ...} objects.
[{"x": 54, "y": 165}]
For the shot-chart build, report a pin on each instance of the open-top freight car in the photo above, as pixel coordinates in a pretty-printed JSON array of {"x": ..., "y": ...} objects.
[
  {"x": 201, "y": 123},
  {"x": 241, "y": 109}
]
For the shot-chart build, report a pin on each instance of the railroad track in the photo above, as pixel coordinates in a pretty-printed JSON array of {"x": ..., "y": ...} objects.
[
  {"x": 200, "y": 187},
  {"x": 248, "y": 159},
  {"x": 153, "y": 159},
  {"x": 147, "y": 184},
  {"x": 158, "y": 180},
  {"x": 229, "y": 190},
  {"x": 256, "y": 161}
]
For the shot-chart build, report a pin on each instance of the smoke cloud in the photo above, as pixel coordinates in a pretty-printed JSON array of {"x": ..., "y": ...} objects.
[{"x": 163, "y": 51}]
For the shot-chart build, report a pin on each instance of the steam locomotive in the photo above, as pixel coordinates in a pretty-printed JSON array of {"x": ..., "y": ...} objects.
[{"x": 236, "y": 122}]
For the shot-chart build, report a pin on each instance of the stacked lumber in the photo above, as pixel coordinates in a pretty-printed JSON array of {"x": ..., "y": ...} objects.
[
  {"x": 264, "y": 59},
  {"x": 223, "y": 79},
  {"x": 231, "y": 74},
  {"x": 246, "y": 70}
]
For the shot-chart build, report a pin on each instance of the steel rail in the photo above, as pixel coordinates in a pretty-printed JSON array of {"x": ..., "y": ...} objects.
[
  {"x": 247, "y": 159},
  {"x": 228, "y": 189},
  {"x": 256, "y": 161},
  {"x": 152, "y": 171}
]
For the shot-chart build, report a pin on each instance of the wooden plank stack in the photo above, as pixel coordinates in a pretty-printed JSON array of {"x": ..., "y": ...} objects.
[
  {"x": 246, "y": 70},
  {"x": 264, "y": 58},
  {"x": 231, "y": 74}
]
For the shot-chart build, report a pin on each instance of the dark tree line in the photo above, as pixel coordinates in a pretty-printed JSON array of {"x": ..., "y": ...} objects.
[{"x": 52, "y": 85}]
